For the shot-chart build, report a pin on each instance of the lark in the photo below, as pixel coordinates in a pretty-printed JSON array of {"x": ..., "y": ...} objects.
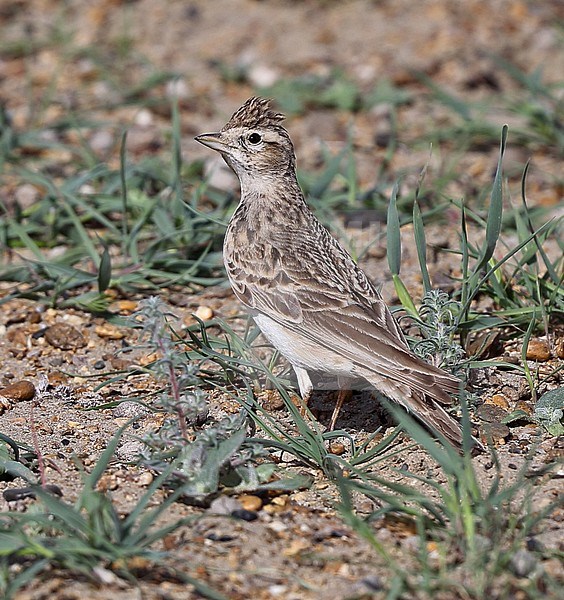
[{"x": 303, "y": 289}]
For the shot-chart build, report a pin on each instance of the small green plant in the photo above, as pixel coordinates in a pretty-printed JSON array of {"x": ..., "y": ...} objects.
[
  {"x": 436, "y": 321},
  {"x": 468, "y": 534},
  {"x": 532, "y": 292},
  {"x": 115, "y": 227},
  {"x": 549, "y": 411},
  {"x": 207, "y": 454},
  {"x": 87, "y": 534},
  {"x": 469, "y": 537}
]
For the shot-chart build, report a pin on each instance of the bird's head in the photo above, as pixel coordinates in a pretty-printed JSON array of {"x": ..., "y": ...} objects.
[{"x": 253, "y": 143}]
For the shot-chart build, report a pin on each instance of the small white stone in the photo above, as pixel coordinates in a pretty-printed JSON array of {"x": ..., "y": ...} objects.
[
  {"x": 26, "y": 195},
  {"x": 277, "y": 526},
  {"x": 177, "y": 88},
  {"x": 101, "y": 141},
  {"x": 262, "y": 75},
  {"x": 277, "y": 590},
  {"x": 87, "y": 189},
  {"x": 145, "y": 479},
  {"x": 144, "y": 118},
  {"x": 204, "y": 313}
]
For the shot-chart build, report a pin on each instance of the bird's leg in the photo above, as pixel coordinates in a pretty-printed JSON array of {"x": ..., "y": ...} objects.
[
  {"x": 306, "y": 388},
  {"x": 343, "y": 395}
]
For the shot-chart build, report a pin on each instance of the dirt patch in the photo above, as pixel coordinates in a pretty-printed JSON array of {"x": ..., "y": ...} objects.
[{"x": 88, "y": 58}]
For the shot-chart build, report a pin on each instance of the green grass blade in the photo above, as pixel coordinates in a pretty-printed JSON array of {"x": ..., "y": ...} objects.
[
  {"x": 124, "y": 199},
  {"x": 104, "y": 271},
  {"x": 421, "y": 245},
  {"x": 393, "y": 235},
  {"x": 493, "y": 222},
  {"x": 548, "y": 264}
]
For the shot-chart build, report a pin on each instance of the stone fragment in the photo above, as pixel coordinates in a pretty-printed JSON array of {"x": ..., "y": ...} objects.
[
  {"x": 491, "y": 413},
  {"x": 495, "y": 431},
  {"x": 127, "y": 306},
  {"x": 337, "y": 448},
  {"x": 64, "y": 337},
  {"x": 250, "y": 502},
  {"x": 204, "y": 313},
  {"x": 524, "y": 406},
  {"x": 109, "y": 331},
  {"x": 538, "y": 350},
  {"x": 498, "y": 400},
  {"x": 271, "y": 400},
  {"x": 19, "y": 391},
  {"x": 145, "y": 479},
  {"x": 523, "y": 563},
  {"x": 224, "y": 505}
]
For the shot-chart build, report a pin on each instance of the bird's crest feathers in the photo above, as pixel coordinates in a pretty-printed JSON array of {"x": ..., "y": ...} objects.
[{"x": 256, "y": 112}]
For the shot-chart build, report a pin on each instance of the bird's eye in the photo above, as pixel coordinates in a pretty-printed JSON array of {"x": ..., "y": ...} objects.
[{"x": 255, "y": 138}]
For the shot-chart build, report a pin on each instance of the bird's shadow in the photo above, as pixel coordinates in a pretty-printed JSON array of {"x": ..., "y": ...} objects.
[{"x": 361, "y": 411}]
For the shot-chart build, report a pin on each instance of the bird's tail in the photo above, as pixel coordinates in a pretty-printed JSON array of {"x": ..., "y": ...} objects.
[{"x": 427, "y": 410}]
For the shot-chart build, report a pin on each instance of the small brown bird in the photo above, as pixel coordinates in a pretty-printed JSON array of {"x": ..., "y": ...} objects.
[{"x": 303, "y": 289}]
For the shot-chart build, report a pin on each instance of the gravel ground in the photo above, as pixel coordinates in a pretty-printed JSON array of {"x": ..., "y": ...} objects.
[{"x": 297, "y": 547}]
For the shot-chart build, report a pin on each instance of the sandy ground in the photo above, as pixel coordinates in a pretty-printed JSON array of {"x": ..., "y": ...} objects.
[{"x": 88, "y": 58}]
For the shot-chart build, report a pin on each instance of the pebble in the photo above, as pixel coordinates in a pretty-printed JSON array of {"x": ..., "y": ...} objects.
[
  {"x": 102, "y": 141},
  {"x": 127, "y": 306},
  {"x": 271, "y": 400},
  {"x": 105, "y": 576},
  {"x": 26, "y": 195},
  {"x": 218, "y": 175},
  {"x": 107, "y": 482},
  {"x": 19, "y": 391},
  {"x": 144, "y": 118},
  {"x": 524, "y": 406},
  {"x": 277, "y": 589},
  {"x": 87, "y": 189},
  {"x": 245, "y": 515},
  {"x": 538, "y": 350},
  {"x": 491, "y": 413},
  {"x": 141, "y": 138},
  {"x": 498, "y": 400},
  {"x": 327, "y": 533},
  {"x": 204, "y": 313},
  {"x": 109, "y": 331},
  {"x": 373, "y": 583},
  {"x": 177, "y": 88},
  {"x": 145, "y": 479},
  {"x": 496, "y": 431},
  {"x": 261, "y": 75},
  {"x": 277, "y": 526},
  {"x": 523, "y": 563},
  {"x": 130, "y": 409},
  {"x": 130, "y": 451},
  {"x": 337, "y": 448},
  {"x": 559, "y": 348},
  {"x": 64, "y": 337},
  {"x": 224, "y": 505},
  {"x": 249, "y": 502},
  {"x": 74, "y": 320}
]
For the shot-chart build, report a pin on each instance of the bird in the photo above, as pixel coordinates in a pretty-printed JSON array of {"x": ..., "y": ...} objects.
[{"x": 305, "y": 292}]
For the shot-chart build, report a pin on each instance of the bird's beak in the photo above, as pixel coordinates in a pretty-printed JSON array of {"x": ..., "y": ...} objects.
[{"x": 212, "y": 140}]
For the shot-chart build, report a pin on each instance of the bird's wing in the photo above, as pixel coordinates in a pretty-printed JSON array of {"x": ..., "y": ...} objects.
[{"x": 325, "y": 298}]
